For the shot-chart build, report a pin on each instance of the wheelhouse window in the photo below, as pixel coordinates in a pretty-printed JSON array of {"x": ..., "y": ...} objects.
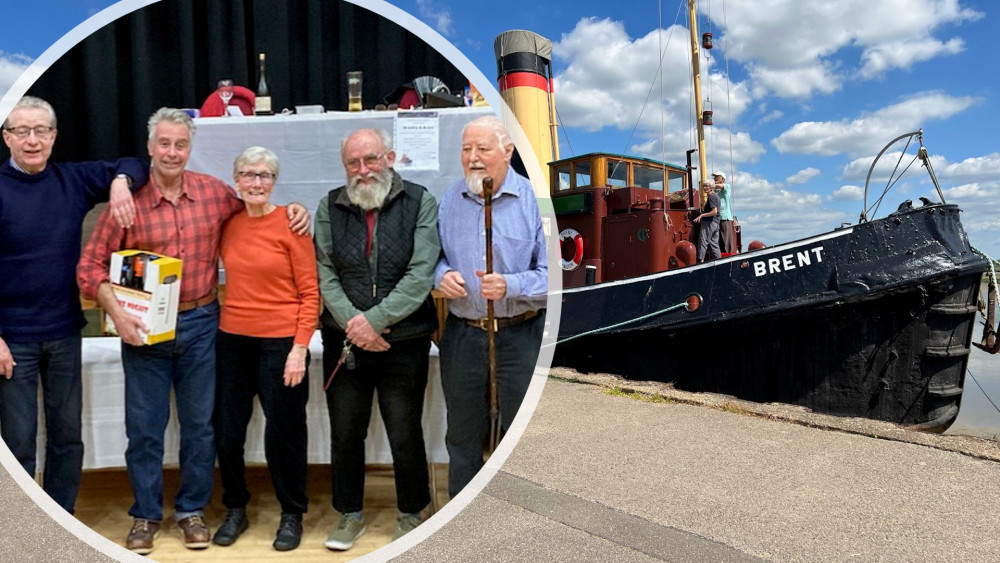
[
  {"x": 581, "y": 172},
  {"x": 617, "y": 173},
  {"x": 563, "y": 177},
  {"x": 647, "y": 177},
  {"x": 675, "y": 181}
]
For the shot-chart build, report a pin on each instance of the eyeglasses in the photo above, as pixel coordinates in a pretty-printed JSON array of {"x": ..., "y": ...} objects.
[
  {"x": 41, "y": 131},
  {"x": 248, "y": 176},
  {"x": 370, "y": 161}
]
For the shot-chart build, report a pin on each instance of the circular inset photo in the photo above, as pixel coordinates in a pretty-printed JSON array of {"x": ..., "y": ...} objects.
[{"x": 276, "y": 275}]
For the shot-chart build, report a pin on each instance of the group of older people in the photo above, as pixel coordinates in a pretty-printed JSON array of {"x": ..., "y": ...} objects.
[{"x": 379, "y": 249}]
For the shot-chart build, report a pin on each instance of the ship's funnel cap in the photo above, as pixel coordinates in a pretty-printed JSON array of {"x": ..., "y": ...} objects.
[{"x": 522, "y": 41}]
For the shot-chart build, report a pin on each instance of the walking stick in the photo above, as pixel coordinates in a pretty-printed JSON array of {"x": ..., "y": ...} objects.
[{"x": 491, "y": 350}]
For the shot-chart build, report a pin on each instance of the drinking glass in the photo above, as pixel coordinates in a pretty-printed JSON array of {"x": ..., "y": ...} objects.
[
  {"x": 226, "y": 93},
  {"x": 354, "y": 90}
]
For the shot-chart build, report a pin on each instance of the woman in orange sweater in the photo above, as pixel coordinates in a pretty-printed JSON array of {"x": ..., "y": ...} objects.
[{"x": 262, "y": 349}]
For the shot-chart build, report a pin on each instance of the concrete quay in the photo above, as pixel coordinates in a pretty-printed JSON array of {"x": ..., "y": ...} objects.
[{"x": 614, "y": 470}]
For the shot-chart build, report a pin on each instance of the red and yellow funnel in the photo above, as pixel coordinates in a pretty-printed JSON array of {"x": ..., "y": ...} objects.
[{"x": 524, "y": 77}]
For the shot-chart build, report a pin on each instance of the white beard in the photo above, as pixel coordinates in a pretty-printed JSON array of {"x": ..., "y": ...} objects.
[
  {"x": 474, "y": 180},
  {"x": 370, "y": 196}
]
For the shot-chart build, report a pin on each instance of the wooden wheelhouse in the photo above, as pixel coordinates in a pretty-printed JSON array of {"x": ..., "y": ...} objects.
[{"x": 630, "y": 215}]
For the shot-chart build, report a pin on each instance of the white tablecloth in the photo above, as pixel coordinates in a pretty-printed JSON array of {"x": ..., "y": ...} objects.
[
  {"x": 308, "y": 148},
  {"x": 104, "y": 413}
]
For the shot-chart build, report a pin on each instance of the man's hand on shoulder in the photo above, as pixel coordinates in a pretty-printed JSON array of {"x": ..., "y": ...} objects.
[
  {"x": 298, "y": 219},
  {"x": 121, "y": 204}
]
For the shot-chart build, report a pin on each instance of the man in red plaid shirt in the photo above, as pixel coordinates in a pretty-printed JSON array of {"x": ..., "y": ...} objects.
[{"x": 180, "y": 214}]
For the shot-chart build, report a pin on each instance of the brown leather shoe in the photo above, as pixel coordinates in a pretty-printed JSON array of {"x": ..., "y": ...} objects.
[
  {"x": 140, "y": 537},
  {"x": 195, "y": 532}
]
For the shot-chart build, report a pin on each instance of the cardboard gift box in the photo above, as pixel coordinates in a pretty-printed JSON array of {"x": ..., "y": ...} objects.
[{"x": 147, "y": 285}]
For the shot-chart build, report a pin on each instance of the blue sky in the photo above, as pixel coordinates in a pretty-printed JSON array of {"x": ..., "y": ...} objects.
[{"x": 813, "y": 90}]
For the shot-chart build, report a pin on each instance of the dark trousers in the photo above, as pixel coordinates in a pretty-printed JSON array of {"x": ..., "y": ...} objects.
[
  {"x": 726, "y": 243},
  {"x": 399, "y": 377},
  {"x": 247, "y": 366},
  {"x": 57, "y": 365},
  {"x": 465, "y": 380}
]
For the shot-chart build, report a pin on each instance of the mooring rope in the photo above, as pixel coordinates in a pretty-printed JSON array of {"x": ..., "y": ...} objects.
[
  {"x": 969, "y": 371},
  {"x": 993, "y": 272},
  {"x": 623, "y": 323}
]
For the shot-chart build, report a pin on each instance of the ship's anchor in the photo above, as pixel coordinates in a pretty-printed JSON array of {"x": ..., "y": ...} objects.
[
  {"x": 988, "y": 310},
  {"x": 990, "y": 342}
]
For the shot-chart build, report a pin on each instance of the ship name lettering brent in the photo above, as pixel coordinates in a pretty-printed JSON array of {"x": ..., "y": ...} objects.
[{"x": 787, "y": 262}]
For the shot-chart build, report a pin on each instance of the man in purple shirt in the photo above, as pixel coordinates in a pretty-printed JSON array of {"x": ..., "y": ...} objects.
[{"x": 518, "y": 288}]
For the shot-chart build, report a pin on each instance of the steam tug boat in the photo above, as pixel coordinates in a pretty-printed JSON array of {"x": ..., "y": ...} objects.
[{"x": 874, "y": 319}]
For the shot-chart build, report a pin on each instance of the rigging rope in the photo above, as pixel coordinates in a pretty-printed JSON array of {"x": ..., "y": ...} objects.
[
  {"x": 617, "y": 325},
  {"x": 969, "y": 371},
  {"x": 892, "y": 182},
  {"x": 652, "y": 83},
  {"x": 729, "y": 109},
  {"x": 659, "y": 45}
]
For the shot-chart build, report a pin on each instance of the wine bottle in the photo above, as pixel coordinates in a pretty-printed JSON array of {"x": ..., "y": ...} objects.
[
  {"x": 262, "y": 106},
  {"x": 139, "y": 270}
]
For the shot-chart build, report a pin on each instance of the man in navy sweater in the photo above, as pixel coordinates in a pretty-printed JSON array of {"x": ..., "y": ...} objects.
[{"x": 42, "y": 207}]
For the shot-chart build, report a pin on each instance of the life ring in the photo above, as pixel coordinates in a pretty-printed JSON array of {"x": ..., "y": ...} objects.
[{"x": 577, "y": 238}]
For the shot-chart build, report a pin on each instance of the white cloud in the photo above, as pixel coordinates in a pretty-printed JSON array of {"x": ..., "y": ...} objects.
[
  {"x": 798, "y": 215},
  {"x": 904, "y": 53},
  {"x": 976, "y": 169},
  {"x": 981, "y": 169},
  {"x": 771, "y": 116},
  {"x": 868, "y": 132},
  {"x": 611, "y": 80},
  {"x": 11, "y": 68},
  {"x": 803, "y": 176},
  {"x": 798, "y": 49},
  {"x": 848, "y": 193},
  {"x": 438, "y": 16}
]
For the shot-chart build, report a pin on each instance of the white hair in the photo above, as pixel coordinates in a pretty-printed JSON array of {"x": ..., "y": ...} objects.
[
  {"x": 32, "y": 102},
  {"x": 172, "y": 115}
]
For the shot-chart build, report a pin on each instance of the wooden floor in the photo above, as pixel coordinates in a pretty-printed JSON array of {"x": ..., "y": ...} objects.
[{"x": 105, "y": 497}]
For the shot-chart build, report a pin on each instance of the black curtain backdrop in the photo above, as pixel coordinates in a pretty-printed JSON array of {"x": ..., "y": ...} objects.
[{"x": 172, "y": 53}]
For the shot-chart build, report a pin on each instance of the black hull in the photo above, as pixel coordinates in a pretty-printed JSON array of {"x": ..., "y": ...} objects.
[{"x": 874, "y": 320}]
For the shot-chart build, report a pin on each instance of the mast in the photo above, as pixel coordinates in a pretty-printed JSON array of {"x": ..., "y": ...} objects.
[{"x": 695, "y": 55}]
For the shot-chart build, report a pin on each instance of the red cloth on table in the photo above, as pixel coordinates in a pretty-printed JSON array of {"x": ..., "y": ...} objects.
[{"x": 244, "y": 98}]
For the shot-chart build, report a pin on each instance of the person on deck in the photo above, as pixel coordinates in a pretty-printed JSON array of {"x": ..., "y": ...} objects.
[
  {"x": 376, "y": 244},
  {"x": 518, "y": 287},
  {"x": 42, "y": 208},
  {"x": 180, "y": 214},
  {"x": 727, "y": 238},
  {"x": 708, "y": 221}
]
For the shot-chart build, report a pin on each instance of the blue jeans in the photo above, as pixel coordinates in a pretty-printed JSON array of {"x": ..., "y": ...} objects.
[
  {"x": 188, "y": 364},
  {"x": 57, "y": 366},
  {"x": 465, "y": 381}
]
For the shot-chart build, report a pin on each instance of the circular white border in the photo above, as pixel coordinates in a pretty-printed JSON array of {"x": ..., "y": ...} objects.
[{"x": 492, "y": 96}]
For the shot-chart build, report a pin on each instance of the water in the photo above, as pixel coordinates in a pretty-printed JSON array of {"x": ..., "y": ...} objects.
[{"x": 978, "y": 416}]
